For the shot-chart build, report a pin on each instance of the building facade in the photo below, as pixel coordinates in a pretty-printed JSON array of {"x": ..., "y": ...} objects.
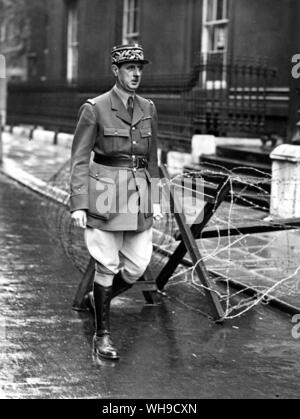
[
  {"x": 69, "y": 41},
  {"x": 174, "y": 33},
  {"x": 22, "y": 38}
]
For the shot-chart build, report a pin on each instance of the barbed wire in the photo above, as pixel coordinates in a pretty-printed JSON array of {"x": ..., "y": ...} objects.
[
  {"x": 286, "y": 285},
  {"x": 263, "y": 264}
]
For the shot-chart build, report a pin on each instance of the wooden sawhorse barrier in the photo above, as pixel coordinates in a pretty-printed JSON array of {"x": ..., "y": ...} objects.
[{"x": 187, "y": 239}]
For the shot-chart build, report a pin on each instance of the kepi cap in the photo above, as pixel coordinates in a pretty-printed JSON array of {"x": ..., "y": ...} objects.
[{"x": 128, "y": 53}]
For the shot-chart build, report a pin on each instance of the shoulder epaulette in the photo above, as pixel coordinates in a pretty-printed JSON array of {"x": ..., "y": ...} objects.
[{"x": 91, "y": 101}]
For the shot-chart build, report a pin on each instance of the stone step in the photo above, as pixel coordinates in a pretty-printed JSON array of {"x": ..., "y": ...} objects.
[
  {"x": 213, "y": 175},
  {"x": 218, "y": 162},
  {"x": 251, "y": 154}
]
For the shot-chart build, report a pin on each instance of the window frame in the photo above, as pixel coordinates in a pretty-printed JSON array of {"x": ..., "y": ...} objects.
[
  {"x": 72, "y": 41},
  {"x": 3, "y": 33},
  {"x": 208, "y": 47},
  {"x": 213, "y": 24},
  {"x": 131, "y": 21}
]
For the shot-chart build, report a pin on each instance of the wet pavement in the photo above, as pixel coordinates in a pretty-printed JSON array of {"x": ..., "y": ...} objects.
[
  {"x": 267, "y": 262},
  {"x": 168, "y": 351},
  {"x": 38, "y": 157}
]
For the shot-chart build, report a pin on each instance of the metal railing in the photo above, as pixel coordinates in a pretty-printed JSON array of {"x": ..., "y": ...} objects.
[
  {"x": 215, "y": 98},
  {"x": 227, "y": 100}
]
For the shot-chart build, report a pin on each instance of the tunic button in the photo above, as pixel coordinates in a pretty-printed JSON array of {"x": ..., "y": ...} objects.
[
  {"x": 133, "y": 128},
  {"x": 116, "y": 132},
  {"x": 134, "y": 142}
]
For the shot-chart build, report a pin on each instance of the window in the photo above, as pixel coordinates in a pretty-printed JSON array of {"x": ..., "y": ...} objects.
[
  {"x": 72, "y": 53},
  {"x": 32, "y": 66},
  {"x": 215, "y": 33},
  {"x": 2, "y": 67},
  {"x": 216, "y": 10},
  {"x": 215, "y": 26},
  {"x": 3, "y": 33},
  {"x": 131, "y": 21},
  {"x": 10, "y": 31}
]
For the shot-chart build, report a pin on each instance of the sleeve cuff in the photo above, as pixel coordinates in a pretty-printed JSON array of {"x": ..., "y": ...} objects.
[{"x": 79, "y": 202}]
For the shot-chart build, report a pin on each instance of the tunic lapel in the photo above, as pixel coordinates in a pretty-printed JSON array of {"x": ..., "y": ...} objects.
[
  {"x": 138, "y": 111},
  {"x": 117, "y": 105}
]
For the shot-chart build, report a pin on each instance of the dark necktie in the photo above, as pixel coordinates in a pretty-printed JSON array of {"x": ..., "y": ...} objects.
[{"x": 130, "y": 106}]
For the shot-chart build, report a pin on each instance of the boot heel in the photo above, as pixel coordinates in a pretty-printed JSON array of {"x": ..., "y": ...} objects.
[{"x": 104, "y": 348}]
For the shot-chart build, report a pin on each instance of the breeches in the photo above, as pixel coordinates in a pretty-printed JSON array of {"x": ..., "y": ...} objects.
[{"x": 129, "y": 252}]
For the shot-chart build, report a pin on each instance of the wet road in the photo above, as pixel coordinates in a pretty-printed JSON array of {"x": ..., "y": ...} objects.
[{"x": 170, "y": 351}]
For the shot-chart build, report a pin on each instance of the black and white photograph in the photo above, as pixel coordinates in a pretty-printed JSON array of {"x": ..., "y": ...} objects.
[{"x": 149, "y": 202}]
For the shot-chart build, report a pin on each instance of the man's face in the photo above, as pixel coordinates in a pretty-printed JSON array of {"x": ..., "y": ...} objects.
[{"x": 129, "y": 76}]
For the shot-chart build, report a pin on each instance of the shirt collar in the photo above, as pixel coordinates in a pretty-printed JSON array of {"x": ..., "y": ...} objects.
[{"x": 123, "y": 95}]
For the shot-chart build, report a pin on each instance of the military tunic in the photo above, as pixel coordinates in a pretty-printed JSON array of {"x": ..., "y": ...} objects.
[{"x": 106, "y": 128}]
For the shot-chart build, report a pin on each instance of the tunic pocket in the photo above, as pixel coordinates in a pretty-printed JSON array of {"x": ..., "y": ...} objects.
[
  {"x": 146, "y": 138},
  {"x": 115, "y": 139},
  {"x": 116, "y": 132},
  {"x": 102, "y": 196},
  {"x": 146, "y": 132}
]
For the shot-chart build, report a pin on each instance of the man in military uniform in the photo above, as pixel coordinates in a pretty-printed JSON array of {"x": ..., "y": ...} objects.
[{"x": 110, "y": 196}]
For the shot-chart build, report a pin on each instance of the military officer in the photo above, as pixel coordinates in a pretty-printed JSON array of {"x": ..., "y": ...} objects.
[{"x": 111, "y": 193}]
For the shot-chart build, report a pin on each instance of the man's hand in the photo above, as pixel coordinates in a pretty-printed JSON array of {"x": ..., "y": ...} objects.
[
  {"x": 79, "y": 218},
  {"x": 157, "y": 214}
]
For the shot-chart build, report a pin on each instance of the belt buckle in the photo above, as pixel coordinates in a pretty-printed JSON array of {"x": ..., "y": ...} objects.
[
  {"x": 143, "y": 162},
  {"x": 134, "y": 163}
]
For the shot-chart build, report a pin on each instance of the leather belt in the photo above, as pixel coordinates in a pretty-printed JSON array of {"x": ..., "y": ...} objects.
[{"x": 130, "y": 162}]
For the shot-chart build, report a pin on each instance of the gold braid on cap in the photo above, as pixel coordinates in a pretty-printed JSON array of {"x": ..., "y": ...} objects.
[{"x": 127, "y": 53}]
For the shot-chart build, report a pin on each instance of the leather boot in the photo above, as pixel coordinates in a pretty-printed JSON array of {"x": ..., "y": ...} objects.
[
  {"x": 89, "y": 302},
  {"x": 119, "y": 285},
  {"x": 102, "y": 344}
]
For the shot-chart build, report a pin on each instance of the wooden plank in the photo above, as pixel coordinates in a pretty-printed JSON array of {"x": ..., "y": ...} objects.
[
  {"x": 146, "y": 285},
  {"x": 191, "y": 246},
  {"x": 252, "y": 228},
  {"x": 149, "y": 287},
  {"x": 196, "y": 229}
]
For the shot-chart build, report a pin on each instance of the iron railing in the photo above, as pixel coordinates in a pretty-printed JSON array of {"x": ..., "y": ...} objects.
[
  {"x": 229, "y": 99},
  {"x": 215, "y": 98}
]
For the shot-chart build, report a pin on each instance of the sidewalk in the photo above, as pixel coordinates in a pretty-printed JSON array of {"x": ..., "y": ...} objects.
[
  {"x": 34, "y": 163},
  {"x": 268, "y": 263}
]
